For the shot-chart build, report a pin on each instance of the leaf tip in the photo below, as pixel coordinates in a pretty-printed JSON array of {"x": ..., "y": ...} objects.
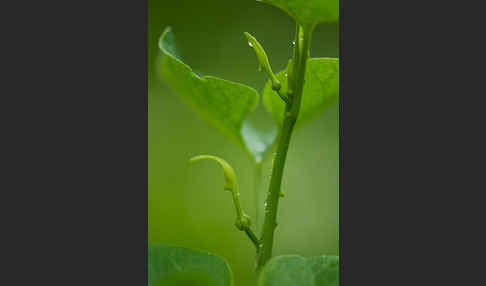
[
  {"x": 163, "y": 36},
  {"x": 168, "y": 29}
]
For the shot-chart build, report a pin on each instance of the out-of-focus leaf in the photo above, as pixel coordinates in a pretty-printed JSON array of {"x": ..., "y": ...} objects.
[
  {"x": 308, "y": 11},
  {"x": 287, "y": 270},
  {"x": 291, "y": 270},
  {"x": 321, "y": 89},
  {"x": 172, "y": 265},
  {"x": 224, "y": 104},
  {"x": 325, "y": 269},
  {"x": 257, "y": 141}
]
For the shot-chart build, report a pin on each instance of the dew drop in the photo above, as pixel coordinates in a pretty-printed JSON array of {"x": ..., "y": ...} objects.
[
  {"x": 293, "y": 43},
  {"x": 250, "y": 44}
]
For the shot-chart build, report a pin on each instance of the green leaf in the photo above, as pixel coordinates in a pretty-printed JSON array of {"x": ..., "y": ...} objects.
[
  {"x": 287, "y": 270},
  {"x": 325, "y": 270},
  {"x": 172, "y": 265},
  {"x": 308, "y": 11},
  {"x": 321, "y": 89},
  {"x": 224, "y": 104},
  {"x": 290, "y": 270}
]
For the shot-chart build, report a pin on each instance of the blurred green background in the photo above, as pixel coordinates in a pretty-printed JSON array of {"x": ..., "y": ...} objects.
[{"x": 187, "y": 205}]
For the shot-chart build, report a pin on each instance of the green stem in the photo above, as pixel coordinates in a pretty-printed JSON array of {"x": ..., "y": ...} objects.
[
  {"x": 253, "y": 238},
  {"x": 301, "y": 54},
  {"x": 259, "y": 196},
  {"x": 243, "y": 220}
]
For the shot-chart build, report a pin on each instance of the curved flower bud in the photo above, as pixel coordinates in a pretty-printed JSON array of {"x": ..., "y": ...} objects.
[{"x": 263, "y": 60}]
